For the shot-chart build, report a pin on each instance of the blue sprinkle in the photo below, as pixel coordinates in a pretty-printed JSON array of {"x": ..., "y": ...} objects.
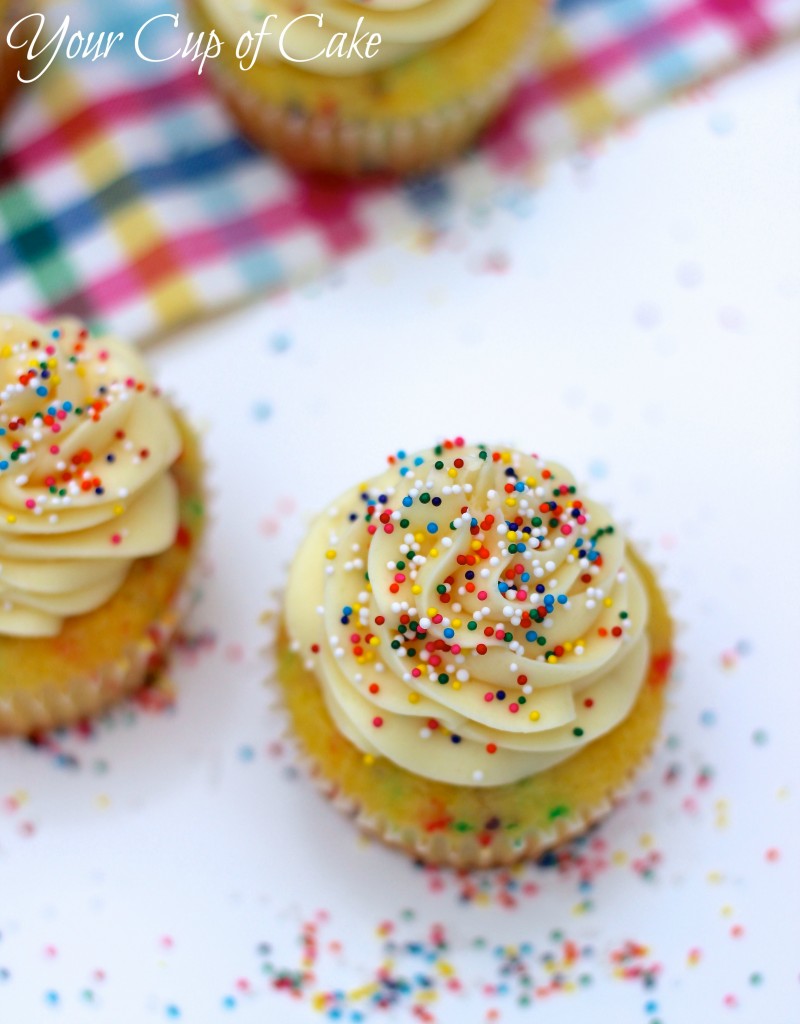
[
  {"x": 3, "y": 464},
  {"x": 433, "y": 528},
  {"x": 229, "y": 1003},
  {"x": 562, "y": 599},
  {"x": 408, "y": 502},
  {"x": 418, "y": 461},
  {"x": 449, "y": 633},
  {"x": 531, "y": 635},
  {"x": 401, "y": 454},
  {"x": 280, "y": 342},
  {"x": 67, "y": 406}
]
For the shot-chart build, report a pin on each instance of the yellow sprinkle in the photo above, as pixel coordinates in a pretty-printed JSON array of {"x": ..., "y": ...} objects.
[
  {"x": 445, "y": 969},
  {"x": 511, "y": 501},
  {"x": 330, "y": 553},
  {"x": 607, "y": 602},
  {"x": 80, "y": 369},
  {"x": 646, "y": 840},
  {"x": 361, "y": 659},
  {"x": 475, "y": 545},
  {"x": 452, "y": 472},
  {"x": 11, "y": 518},
  {"x": 434, "y": 552},
  {"x": 55, "y": 379},
  {"x": 368, "y": 759},
  {"x": 356, "y": 606},
  {"x": 511, "y": 535},
  {"x": 416, "y": 589},
  {"x": 727, "y": 910},
  {"x": 534, "y": 716},
  {"x": 368, "y": 587},
  {"x": 619, "y": 857},
  {"x": 567, "y": 646},
  {"x": 531, "y": 481},
  {"x": 413, "y": 698},
  {"x": 456, "y": 623},
  {"x": 318, "y": 1001},
  {"x": 5, "y": 351},
  {"x": 456, "y": 685},
  {"x": 431, "y": 612},
  {"x": 506, "y": 456},
  {"x": 418, "y": 537},
  {"x": 118, "y": 510},
  {"x": 552, "y": 658},
  {"x": 374, "y": 641}
]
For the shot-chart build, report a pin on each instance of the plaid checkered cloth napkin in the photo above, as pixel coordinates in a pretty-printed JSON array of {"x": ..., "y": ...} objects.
[{"x": 128, "y": 198}]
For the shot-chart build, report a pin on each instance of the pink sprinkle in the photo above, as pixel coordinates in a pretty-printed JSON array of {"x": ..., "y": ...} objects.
[
  {"x": 522, "y": 595},
  {"x": 354, "y": 638},
  {"x": 55, "y": 429},
  {"x": 372, "y": 528},
  {"x": 455, "y": 648},
  {"x": 399, "y": 577},
  {"x": 488, "y": 697},
  {"x": 513, "y": 708},
  {"x": 61, "y": 415},
  {"x": 437, "y": 619},
  {"x": 116, "y": 538},
  {"x": 30, "y": 503},
  {"x": 377, "y": 721},
  {"x": 566, "y": 529},
  {"x": 388, "y": 528},
  {"x": 416, "y": 673},
  {"x": 54, "y": 449},
  {"x": 482, "y": 595}
]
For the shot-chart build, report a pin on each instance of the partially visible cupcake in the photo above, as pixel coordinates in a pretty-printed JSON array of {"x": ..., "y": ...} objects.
[
  {"x": 433, "y": 76},
  {"x": 473, "y": 656},
  {"x": 10, "y": 11},
  {"x": 101, "y": 511}
]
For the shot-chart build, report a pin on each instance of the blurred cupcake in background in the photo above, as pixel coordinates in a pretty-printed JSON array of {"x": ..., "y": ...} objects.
[
  {"x": 101, "y": 511},
  {"x": 352, "y": 87},
  {"x": 10, "y": 12}
]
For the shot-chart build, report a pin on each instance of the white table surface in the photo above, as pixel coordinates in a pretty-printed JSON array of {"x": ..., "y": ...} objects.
[{"x": 637, "y": 317}]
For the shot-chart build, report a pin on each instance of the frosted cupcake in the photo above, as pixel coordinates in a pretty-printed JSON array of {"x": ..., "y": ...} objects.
[
  {"x": 351, "y": 86},
  {"x": 473, "y": 655},
  {"x": 101, "y": 509}
]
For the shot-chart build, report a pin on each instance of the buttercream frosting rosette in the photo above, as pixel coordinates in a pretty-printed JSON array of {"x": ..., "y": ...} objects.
[
  {"x": 473, "y": 654},
  {"x": 351, "y": 86},
  {"x": 101, "y": 510}
]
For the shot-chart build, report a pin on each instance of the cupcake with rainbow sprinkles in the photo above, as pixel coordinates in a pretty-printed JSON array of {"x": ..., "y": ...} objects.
[
  {"x": 473, "y": 656},
  {"x": 101, "y": 511}
]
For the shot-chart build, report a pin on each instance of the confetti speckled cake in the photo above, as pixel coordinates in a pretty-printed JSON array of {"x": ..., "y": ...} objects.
[
  {"x": 309, "y": 92},
  {"x": 101, "y": 509},
  {"x": 473, "y": 655}
]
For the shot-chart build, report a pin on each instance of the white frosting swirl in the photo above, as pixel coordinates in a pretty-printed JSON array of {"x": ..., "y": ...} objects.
[
  {"x": 405, "y": 27},
  {"x": 86, "y": 443},
  {"x": 469, "y": 616}
]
